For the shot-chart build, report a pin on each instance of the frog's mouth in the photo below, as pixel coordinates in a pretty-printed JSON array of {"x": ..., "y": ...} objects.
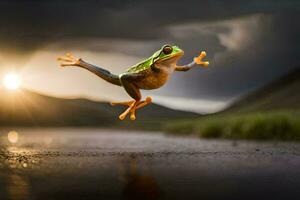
[{"x": 174, "y": 58}]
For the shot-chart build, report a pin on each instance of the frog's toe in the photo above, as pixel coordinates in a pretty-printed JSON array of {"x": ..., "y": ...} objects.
[
  {"x": 144, "y": 103},
  {"x": 139, "y": 105},
  {"x": 198, "y": 60},
  {"x": 132, "y": 115},
  {"x": 124, "y": 103},
  {"x": 67, "y": 60},
  {"x": 133, "y": 106}
]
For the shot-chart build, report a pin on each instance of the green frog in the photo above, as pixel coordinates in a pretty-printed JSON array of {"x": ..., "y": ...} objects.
[{"x": 151, "y": 73}]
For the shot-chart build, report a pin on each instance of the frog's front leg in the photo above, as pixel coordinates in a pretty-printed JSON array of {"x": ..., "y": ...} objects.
[
  {"x": 127, "y": 81},
  {"x": 197, "y": 60}
]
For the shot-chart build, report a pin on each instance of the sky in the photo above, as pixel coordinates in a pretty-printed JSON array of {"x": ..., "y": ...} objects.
[{"x": 248, "y": 43}]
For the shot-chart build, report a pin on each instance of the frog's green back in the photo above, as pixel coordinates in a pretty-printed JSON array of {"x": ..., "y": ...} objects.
[
  {"x": 141, "y": 66},
  {"x": 146, "y": 64}
]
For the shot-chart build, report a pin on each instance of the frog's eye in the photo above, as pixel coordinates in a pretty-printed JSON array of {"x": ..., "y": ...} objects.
[{"x": 167, "y": 50}]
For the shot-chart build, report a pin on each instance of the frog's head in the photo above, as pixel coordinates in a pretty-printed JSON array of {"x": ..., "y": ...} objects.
[{"x": 167, "y": 55}]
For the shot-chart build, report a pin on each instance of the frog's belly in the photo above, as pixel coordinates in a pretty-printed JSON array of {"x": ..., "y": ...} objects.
[{"x": 153, "y": 81}]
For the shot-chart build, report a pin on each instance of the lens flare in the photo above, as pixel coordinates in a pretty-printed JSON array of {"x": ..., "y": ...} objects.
[{"x": 13, "y": 137}]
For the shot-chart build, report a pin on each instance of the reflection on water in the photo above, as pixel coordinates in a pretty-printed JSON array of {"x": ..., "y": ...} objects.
[
  {"x": 17, "y": 184},
  {"x": 138, "y": 185},
  {"x": 17, "y": 157},
  {"x": 17, "y": 187},
  {"x": 135, "y": 183}
]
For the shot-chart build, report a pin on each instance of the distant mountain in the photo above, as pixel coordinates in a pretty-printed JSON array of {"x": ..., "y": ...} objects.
[
  {"x": 280, "y": 94},
  {"x": 26, "y": 108}
]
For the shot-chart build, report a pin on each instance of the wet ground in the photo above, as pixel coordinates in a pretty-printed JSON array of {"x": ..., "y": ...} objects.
[{"x": 104, "y": 164}]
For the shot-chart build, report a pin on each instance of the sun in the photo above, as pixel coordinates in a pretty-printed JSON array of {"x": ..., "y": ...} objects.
[{"x": 12, "y": 81}]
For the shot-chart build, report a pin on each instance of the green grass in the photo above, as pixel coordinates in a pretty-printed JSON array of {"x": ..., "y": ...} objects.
[{"x": 276, "y": 125}]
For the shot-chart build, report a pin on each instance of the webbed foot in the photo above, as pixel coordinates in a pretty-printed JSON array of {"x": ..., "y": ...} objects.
[
  {"x": 68, "y": 60},
  {"x": 132, "y": 107},
  {"x": 199, "y": 61}
]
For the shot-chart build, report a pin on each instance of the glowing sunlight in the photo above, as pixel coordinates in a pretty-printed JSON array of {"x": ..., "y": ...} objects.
[{"x": 12, "y": 81}]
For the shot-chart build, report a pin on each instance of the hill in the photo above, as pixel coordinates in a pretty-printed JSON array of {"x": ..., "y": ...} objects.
[
  {"x": 26, "y": 108},
  {"x": 271, "y": 112},
  {"x": 281, "y": 94}
]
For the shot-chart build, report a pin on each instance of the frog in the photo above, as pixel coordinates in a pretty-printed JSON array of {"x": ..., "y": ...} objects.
[{"x": 151, "y": 73}]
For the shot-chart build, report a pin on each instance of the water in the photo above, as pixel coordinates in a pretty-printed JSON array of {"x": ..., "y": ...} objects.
[{"x": 106, "y": 164}]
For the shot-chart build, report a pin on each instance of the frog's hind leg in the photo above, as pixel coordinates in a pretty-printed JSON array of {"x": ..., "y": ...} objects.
[
  {"x": 138, "y": 105},
  {"x": 134, "y": 92}
]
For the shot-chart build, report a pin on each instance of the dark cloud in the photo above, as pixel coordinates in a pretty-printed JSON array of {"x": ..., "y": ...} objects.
[
  {"x": 249, "y": 43},
  {"x": 29, "y": 24},
  {"x": 269, "y": 54}
]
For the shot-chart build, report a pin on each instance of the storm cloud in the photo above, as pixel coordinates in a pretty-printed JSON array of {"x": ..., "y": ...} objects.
[
  {"x": 29, "y": 23},
  {"x": 249, "y": 43}
]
